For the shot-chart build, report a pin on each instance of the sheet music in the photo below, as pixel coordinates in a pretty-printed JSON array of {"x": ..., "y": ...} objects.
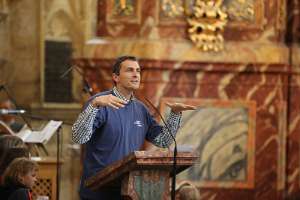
[
  {"x": 24, "y": 133},
  {"x": 42, "y": 136}
]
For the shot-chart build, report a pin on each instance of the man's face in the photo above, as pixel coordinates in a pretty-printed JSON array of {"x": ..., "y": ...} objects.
[{"x": 129, "y": 77}]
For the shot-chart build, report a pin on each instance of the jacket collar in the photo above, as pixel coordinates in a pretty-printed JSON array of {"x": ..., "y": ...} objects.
[{"x": 118, "y": 94}]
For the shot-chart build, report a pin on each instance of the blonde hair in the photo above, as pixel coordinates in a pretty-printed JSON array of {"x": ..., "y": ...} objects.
[{"x": 18, "y": 167}]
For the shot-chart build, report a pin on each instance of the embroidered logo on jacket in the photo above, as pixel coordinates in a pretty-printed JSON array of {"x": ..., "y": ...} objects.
[{"x": 138, "y": 123}]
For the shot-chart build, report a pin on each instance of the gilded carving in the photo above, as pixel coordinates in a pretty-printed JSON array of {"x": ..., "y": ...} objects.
[{"x": 207, "y": 24}]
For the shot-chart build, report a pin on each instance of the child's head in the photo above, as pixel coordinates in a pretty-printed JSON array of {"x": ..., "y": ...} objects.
[{"x": 21, "y": 171}]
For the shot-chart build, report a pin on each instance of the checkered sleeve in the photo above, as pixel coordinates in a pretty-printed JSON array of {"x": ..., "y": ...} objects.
[
  {"x": 164, "y": 139},
  {"x": 82, "y": 129}
]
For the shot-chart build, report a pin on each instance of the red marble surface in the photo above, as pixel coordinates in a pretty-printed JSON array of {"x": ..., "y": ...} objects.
[
  {"x": 267, "y": 84},
  {"x": 293, "y": 150}
]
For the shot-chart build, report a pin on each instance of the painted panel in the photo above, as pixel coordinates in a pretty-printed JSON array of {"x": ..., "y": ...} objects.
[
  {"x": 123, "y": 11},
  {"x": 222, "y": 134}
]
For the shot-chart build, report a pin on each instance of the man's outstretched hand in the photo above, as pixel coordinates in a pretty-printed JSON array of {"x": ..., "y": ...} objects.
[
  {"x": 108, "y": 100},
  {"x": 179, "y": 107}
]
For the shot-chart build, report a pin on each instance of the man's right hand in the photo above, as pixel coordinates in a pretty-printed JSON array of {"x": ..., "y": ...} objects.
[{"x": 108, "y": 100}]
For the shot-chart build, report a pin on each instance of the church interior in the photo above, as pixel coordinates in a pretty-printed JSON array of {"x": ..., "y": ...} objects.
[{"x": 237, "y": 61}]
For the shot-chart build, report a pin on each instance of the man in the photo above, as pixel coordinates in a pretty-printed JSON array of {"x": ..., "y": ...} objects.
[
  {"x": 9, "y": 119},
  {"x": 114, "y": 123}
]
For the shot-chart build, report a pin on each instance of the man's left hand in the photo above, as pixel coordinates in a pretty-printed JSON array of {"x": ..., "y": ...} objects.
[{"x": 179, "y": 107}]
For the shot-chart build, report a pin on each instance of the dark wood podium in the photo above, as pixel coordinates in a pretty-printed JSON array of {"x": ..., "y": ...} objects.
[{"x": 142, "y": 174}]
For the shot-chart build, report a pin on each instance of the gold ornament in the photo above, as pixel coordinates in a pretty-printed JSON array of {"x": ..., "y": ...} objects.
[{"x": 207, "y": 25}]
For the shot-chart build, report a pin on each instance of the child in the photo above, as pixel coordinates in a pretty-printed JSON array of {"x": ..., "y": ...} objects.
[
  {"x": 18, "y": 179},
  {"x": 8, "y": 119}
]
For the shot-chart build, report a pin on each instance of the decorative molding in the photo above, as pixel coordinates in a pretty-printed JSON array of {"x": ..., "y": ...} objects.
[{"x": 170, "y": 19}]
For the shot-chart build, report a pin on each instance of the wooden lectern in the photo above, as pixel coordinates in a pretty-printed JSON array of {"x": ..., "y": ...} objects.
[{"x": 142, "y": 174}]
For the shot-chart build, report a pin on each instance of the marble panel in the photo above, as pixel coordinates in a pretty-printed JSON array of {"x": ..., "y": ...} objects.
[{"x": 293, "y": 147}]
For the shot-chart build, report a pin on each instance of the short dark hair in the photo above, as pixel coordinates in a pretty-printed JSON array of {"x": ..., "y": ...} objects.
[{"x": 118, "y": 62}]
